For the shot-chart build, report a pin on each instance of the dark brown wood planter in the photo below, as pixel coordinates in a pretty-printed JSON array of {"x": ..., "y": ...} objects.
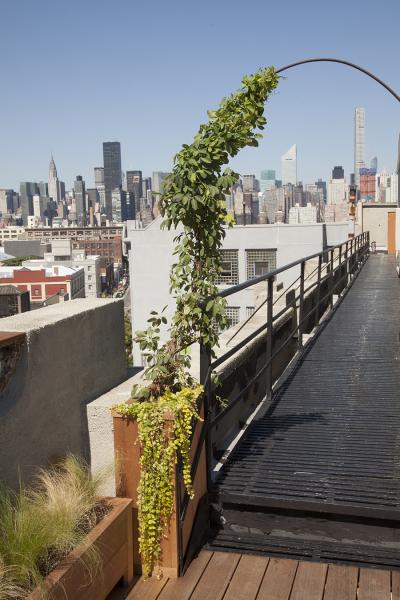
[
  {"x": 127, "y": 454},
  {"x": 113, "y": 539}
]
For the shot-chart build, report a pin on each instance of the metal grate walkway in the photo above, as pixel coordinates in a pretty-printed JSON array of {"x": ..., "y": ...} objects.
[{"x": 331, "y": 440}]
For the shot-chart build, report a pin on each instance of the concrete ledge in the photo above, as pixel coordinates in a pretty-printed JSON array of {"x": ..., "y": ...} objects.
[
  {"x": 101, "y": 434},
  {"x": 56, "y": 313},
  {"x": 74, "y": 352}
]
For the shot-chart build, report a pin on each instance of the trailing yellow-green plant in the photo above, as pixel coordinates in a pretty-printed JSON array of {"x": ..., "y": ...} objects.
[{"x": 165, "y": 429}]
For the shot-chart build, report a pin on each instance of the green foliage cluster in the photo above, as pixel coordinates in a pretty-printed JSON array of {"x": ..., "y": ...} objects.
[
  {"x": 160, "y": 440},
  {"x": 194, "y": 204},
  {"x": 17, "y": 261},
  {"x": 41, "y": 525},
  {"x": 128, "y": 340}
]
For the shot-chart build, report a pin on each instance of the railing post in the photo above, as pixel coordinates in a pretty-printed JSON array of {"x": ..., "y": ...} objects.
[
  {"x": 205, "y": 380},
  {"x": 340, "y": 270},
  {"x": 301, "y": 305},
  {"x": 351, "y": 257},
  {"x": 318, "y": 288},
  {"x": 331, "y": 281},
  {"x": 270, "y": 308}
]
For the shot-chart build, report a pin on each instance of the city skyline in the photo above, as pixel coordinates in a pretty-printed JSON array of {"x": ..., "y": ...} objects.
[{"x": 179, "y": 78}]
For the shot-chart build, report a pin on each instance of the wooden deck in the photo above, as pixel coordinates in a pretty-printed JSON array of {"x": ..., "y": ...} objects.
[{"x": 227, "y": 576}]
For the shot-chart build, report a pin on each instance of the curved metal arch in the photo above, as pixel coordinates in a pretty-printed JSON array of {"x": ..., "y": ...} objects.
[{"x": 343, "y": 62}]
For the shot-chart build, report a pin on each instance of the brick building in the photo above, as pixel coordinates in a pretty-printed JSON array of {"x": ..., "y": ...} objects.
[
  {"x": 101, "y": 241},
  {"x": 44, "y": 283}
]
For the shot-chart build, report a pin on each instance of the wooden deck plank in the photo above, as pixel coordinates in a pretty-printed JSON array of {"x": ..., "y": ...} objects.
[
  {"x": 247, "y": 578},
  {"x": 309, "y": 581},
  {"x": 278, "y": 580},
  {"x": 216, "y": 577},
  {"x": 395, "y": 585},
  {"x": 374, "y": 585},
  {"x": 147, "y": 589},
  {"x": 341, "y": 582},
  {"x": 183, "y": 587}
]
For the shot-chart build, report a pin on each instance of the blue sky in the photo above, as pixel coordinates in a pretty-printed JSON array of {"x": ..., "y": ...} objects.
[{"x": 75, "y": 74}]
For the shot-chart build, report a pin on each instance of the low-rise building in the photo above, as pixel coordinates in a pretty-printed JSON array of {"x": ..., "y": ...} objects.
[
  {"x": 43, "y": 283},
  {"x": 13, "y": 301},
  {"x": 20, "y": 248},
  {"x": 62, "y": 254},
  {"x": 10, "y": 233},
  {"x": 303, "y": 214}
]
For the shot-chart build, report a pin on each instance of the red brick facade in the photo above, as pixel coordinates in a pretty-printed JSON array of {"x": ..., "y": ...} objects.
[{"x": 42, "y": 285}]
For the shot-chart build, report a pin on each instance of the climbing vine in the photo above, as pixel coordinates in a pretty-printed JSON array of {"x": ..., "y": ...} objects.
[
  {"x": 160, "y": 441},
  {"x": 194, "y": 204}
]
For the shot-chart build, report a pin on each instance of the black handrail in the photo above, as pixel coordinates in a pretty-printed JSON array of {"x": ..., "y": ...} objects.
[
  {"x": 351, "y": 256},
  {"x": 242, "y": 286}
]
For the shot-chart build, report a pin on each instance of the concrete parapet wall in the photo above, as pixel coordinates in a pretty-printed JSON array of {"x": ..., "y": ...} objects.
[
  {"x": 73, "y": 353},
  {"x": 101, "y": 437}
]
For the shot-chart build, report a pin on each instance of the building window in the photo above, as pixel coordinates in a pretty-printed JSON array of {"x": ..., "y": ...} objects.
[
  {"x": 232, "y": 312},
  {"x": 36, "y": 292},
  {"x": 90, "y": 286},
  {"x": 249, "y": 311},
  {"x": 260, "y": 262},
  {"x": 62, "y": 291},
  {"x": 89, "y": 268},
  {"x": 89, "y": 277},
  {"x": 230, "y": 268}
]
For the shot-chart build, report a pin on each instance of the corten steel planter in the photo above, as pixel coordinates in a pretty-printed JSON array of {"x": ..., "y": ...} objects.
[
  {"x": 112, "y": 537},
  {"x": 127, "y": 455}
]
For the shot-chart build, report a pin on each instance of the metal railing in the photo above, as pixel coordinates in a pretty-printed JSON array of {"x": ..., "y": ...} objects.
[
  {"x": 346, "y": 257},
  {"x": 334, "y": 272}
]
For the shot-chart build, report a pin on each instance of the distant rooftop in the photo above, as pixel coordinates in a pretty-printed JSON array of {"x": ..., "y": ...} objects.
[
  {"x": 53, "y": 271},
  {"x": 8, "y": 290}
]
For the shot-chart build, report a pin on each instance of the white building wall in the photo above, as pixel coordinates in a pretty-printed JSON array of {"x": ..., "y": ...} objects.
[
  {"x": 150, "y": 259},
  {"x": 337, "y": 191}
]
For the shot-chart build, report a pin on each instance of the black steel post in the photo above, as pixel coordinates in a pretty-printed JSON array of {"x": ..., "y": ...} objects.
[
  {"x": 318, "y": 288},
  {"x": 270, "y": 308},
  {"x": 331, "y": 281},
  {"x": 301, "y": 305},
  {"x": 205, "y": 380}
]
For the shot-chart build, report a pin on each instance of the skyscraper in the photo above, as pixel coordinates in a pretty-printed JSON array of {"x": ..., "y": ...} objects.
[
  {"x": 321, "y": 185},
  {"x": 80, "y": 200},
  {"x": 398, "y": 173},
  {"x": 112, "y": 172},
  {"x": 27, "y": 190},
  {"x": 268, "y": 175},
  {"x": 157, "y": 179},
  {"x": 6, "y": 201},
  {"x": 98, "y": 176},
  {"x": 134, "y": 186},
  {"x": 359, "y": 140},
  {"x": 289, "y": 166},
  {"x": 249, "y": 183},
  {"x": 374, "y": 163},
  {"x": 54, "y": 187},
  {"x": 338, "y": 173}
]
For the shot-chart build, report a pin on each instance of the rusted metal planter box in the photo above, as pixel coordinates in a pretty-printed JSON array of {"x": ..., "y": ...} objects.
[{"x": 113, "y": 539}]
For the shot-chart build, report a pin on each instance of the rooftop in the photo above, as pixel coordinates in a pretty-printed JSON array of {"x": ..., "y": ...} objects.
[{"x": 53, "y": 271}]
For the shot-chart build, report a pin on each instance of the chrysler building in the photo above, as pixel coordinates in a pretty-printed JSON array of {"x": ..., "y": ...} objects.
[{"x": 54, "y": 186}]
